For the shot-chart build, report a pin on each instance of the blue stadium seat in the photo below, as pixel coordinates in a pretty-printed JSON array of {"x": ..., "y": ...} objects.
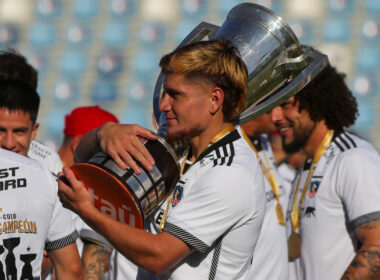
[
  {"x": 140, "y": 116},
  {"x": 123, "y": 8},
  {"x": 184, "y": 28},
  {"x": 86, "y": 9},
  {"x": 38, "y": 60},
  {"x": 367, "y": 117},
  {"x": 370, "y": 31},
  {"x": 364, "y": 86},
  {"x": 55, "y": 121},
  {"x": 373, "y": 6},
  {"x": 139, "y": 92},
  {"x": 42, "y": 35},
  {"x": 9, "y": 34},
  {"x": 341, "y": 7},
  {"x": 79, "y": 34},
  {"x": 110, "y": 63},
  {"x": 50, "y": 9},
  {"x": 73, "y": 63},
  {"x": 66, "y": 92},
  {"x": 368, "y": 60},
  {"x": 104, "y": 91},
  {"x": 146, "y": 62},
  {"x": 303, "y": 29},
  {"x": 194, "y": 8},
  {"x": 336, "y": 30},
  {"x": 152, "y": 33},
  {"x": 115, "y": 34}
]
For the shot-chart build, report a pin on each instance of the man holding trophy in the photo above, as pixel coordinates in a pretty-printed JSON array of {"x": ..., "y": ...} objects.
[{"x": 210, "y": 224}]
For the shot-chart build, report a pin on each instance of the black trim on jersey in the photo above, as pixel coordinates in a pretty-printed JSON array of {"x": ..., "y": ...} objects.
[
  {"x": 186, "y": 237},
  {"x": 215, "y": 260},
  {"x": 307, "y": 164},
  {"x": 63, "y": 242},
  {"x": 365, "y": 218},
  {"x": 343, "y": 141},
  {"x": 228, "y": 139}
]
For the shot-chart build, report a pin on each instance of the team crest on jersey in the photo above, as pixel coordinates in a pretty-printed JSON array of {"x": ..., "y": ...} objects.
[
  {"x": 177, "y": 195},
  {"x": 314, "y": 186}
]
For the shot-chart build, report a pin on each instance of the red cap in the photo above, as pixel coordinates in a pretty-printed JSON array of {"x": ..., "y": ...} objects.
[{"x": 83, "y": 119}]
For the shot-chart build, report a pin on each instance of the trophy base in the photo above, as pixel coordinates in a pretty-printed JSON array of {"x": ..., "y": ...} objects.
[{"x": 109, "y": 195}]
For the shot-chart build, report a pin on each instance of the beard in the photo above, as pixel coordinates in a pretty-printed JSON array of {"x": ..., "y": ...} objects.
[{"x": 300, "y": 137}]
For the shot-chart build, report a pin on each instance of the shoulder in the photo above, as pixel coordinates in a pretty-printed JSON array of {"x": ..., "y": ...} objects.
[{"x": 46, "y": 156}]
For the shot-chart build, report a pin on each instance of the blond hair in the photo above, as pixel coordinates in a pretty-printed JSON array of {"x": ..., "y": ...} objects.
[{"x": 216, "y": 62}]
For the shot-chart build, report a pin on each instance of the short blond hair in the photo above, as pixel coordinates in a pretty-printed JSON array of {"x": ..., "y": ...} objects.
[{"x": 216, "y": 62}]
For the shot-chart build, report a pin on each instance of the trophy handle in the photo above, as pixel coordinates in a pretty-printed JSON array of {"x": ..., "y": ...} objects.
[
  {"x": 197, "y": 34},
  {"x": 318, "y": 62}
]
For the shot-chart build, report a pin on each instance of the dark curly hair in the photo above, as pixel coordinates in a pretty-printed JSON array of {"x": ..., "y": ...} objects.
[{"x": 328, "y": 98}]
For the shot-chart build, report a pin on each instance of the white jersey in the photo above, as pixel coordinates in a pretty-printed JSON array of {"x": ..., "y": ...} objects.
[
  {"x": 31, "y": 216},
  {"x": 217, "y": 208},
  {"x": 270, "y": 258},
  {"x": 344, "y": 193},
  {"x": 46, "y": 156}
]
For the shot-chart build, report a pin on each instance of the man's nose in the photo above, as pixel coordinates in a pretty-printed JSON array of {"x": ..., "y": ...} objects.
[
  {"x": 164, "y": 105},
  {"x": 276, "y": 114},
  {"x": 8, "y": 142}
]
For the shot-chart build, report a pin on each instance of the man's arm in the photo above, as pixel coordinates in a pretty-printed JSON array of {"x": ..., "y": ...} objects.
[
  {"x": 121, "y": 141},
  {"x": 67, "y": 262},
  {"x": 95, "y": 260},
  {"x": 366, "y": 264},
  {"x": 156, "y": 253}
]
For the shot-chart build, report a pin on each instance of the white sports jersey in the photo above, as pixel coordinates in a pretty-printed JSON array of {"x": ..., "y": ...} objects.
[
  {"x": 344, "y": 193},
  {"x": 31, "y": 216},
  {"x": 46, "y": 156},
  {"x": 270, "y": 258},
  {"x": 217, "y": 208}
]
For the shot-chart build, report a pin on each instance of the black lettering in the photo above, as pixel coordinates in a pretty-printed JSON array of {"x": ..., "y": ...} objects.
[
  {"x": 3, "y": 173},
  {"x": 21, "y": 183},
  {"x": 159, "y": 217},
  {"x": 13, "y": 170},
  {"x": 10, "y": 183},
  {"x": 2, "y": 275}
]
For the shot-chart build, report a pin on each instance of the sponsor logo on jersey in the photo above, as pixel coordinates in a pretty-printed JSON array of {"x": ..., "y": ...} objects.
[
  {"x": 314, "y": 186},
  {"x": 177, "y": 195},
  {"x": 310, "y": 211}
]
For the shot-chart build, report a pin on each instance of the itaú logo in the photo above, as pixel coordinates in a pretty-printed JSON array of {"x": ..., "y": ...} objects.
[{"x": 116, "y": 209}]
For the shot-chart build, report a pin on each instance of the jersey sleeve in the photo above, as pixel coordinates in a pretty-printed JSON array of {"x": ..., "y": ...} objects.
[
  {"x": 358, "y": 178},
  {"x": 220, "y": 199},
  {"x": 61, "y": 232}
]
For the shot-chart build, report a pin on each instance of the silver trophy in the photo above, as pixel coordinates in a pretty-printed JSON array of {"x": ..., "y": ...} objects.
[{"x": 278, "y": 67}]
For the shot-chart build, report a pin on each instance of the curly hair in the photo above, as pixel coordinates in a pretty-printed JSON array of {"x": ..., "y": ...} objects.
[
  {"x": 217, "y": 62},
  {"x": 328, "y": 98}
]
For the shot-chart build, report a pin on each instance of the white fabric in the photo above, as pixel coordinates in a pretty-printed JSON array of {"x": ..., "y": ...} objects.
[
  {"x": 222, "y": 200},
  {"x": 270, "y": 258},
  {"x": 29, "y": 203},
  {"x": 46, "y": 156},
  {"x": 347, "y": 194}
]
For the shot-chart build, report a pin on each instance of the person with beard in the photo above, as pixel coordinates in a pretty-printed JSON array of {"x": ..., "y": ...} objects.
[
  {"x": 333, "y": 218},
  {"x": 209, "y": 231}
]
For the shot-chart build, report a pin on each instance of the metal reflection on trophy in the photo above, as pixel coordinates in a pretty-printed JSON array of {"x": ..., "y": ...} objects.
[
  {"x": 124, "y": 195},
  {"x": 278, "y": 67}
]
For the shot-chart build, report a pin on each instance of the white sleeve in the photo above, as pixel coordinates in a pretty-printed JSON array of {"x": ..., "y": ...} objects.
[
  {"x": 61, "y": 231},
  {"x": 219, "y": 200},
  {"x": 357, "y": 181}
]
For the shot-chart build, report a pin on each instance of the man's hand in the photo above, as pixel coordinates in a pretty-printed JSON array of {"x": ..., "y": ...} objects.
[
  {"x": 123, "y": 142},
  {"x": 366, "y": 264},
  {"x": 72, "y": 193}
]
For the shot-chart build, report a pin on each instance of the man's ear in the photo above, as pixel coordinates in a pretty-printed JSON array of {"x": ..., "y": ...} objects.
[
  {"x": 217, "y": 98},
  {"x": 35, "y": 129}
]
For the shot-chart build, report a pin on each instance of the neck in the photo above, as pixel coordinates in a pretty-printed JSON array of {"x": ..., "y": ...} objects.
[
  {"x": 200, "y": 142},
  {"x": 250, "y": 129},
  {"x": 66, "y": 156},
  {"x": 315, "y": 139}
]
